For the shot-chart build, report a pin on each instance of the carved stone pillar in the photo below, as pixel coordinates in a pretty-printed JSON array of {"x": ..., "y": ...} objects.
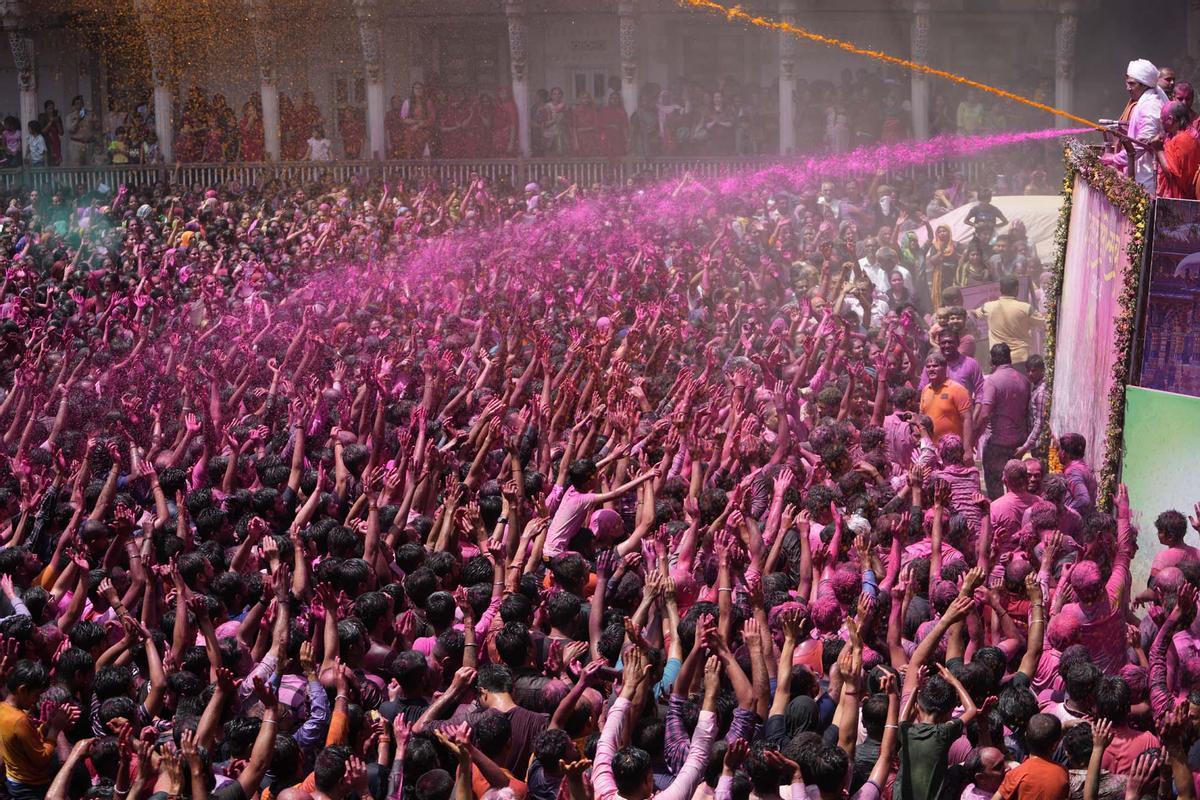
[
  {"x": 24, "y": 57},
  {"x": 787, "y": 80},
  {"x": 12, "y": 14},
  {"x": 262, "y": 29},
  {"x": 369, "y": 26},
  {"x": 518, "y": 54},
  {"x": 1064, "y": 58},
  {"x": 160, "y": 78},
  {"x": 627, "y": 19},
  {"x": 920, "y": 81}
]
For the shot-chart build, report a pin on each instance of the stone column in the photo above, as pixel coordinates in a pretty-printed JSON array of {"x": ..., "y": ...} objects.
[
  {"x": 369, "y": 26},
  {"x": 160, "y": 57},
  {"x": 261, "y": 26},
  {"x": 518, "y": 45},
  {"x": 787, "y": 80},
  {"x": 627, "y": 18},
  {"x": 23, "y": 54},
  {"x": 920, "y": 81},
  {"x": 1064, "y": 58}
]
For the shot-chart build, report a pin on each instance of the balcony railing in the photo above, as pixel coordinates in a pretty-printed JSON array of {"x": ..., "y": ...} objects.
[{"x": 546, "y": 172}]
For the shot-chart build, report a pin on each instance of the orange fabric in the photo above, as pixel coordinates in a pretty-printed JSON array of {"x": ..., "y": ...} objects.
[
  {"x": 27, "y": 754},
  {"x": 480, "y": 785},
  {"x": 1182, "y": 154},
  {"x": 46, "y": 577},
  {"x": 339, "y": 728},
  {"x": 947, "y": 406},
  {"x": 1036, "y": 779}
]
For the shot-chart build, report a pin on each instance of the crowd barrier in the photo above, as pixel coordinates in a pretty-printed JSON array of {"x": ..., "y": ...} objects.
[{"x": 546, "y": 172}]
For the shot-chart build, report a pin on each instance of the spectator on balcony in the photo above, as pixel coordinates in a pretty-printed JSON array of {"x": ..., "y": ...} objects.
[
  {"x": 505, "y": 138},
  {"x": 393, "y": 126},
  {"x": 645, "y": 133},
  {"x": 292, "y": 130},
  {"x": 614, "y": 128},
  {"x": 941, "y": 120},
  {"x": 319, "y": 146},
  {"x": 152, "y": 153},
  {"x": 310, "y": 115},
  {"x": 419, "y": 119},
  {"x": 252, "y": 139},
  {"x": 214, "y": 141},
  {"x": 352, "y": 131},
  {"x": 193, "y": 128},
  {"x": 672, "y": 124},
  {"x": 718, "y": 125},
  {"x": 37, "y": 144},
  {"x": 537, "y": 141},
  {"x": 81, "y": 133},
  {"x": 480, "y": 129},
  {"x": 585, "y": 127},
  {"x": 12, "y": 141},
  {"x": 837, "y": 128},
  {"x": 52, "y": 129},
  {"x": 969, "y": 116},
  {"x": 896, "y": 125},
  {"x": 225, "y": 121},
  {"x": 553, "y": 123},
  {"x": 454, "y": 119},
  {"x": 118, "y": 148}
]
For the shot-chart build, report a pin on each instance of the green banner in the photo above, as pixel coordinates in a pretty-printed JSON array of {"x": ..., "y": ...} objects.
[{"x": 1162, "y": 437}]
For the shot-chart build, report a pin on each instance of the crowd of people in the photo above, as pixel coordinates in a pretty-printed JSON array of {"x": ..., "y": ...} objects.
[
  {"x": 435, "y": 120},
  {"x": 621, "y": 500}
]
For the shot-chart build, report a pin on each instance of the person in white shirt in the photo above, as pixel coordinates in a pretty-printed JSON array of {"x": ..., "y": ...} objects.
[
  {"x": 1145, "y": 122},
  {"x": 879, "y": 271},
  {"x": 37, "y": 145},
  {"x": 319, "y": 146}
]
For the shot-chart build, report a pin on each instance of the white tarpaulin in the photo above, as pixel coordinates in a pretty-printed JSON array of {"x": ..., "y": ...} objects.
[{"x": 1039, "y": 212}]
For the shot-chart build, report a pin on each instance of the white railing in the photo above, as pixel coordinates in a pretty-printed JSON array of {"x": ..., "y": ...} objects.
[{"x": 546, "y": 172}]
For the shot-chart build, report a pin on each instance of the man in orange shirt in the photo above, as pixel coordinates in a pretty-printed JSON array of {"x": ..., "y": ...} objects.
[
  {"x": 947, "y": 403},
  {"x": 1038, "y": 777}
]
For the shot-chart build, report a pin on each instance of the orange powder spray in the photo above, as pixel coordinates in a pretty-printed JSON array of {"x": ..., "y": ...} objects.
[{"x": 736, "y": 13}]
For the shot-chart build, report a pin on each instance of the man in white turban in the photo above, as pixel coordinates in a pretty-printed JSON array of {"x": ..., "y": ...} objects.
[{"x": 1145, "y": 121}]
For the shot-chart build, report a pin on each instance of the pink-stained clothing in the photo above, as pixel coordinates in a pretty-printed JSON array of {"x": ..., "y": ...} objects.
[
  {"x": 1007, "y": 512},
  {"x": 1046, "y": 682},
  {"x": 1127, "y": 745},
  {"x": 1173, "y": 557},
  {"x": 1006, "y": 391},
  {"x": 686, "y": 779},
  {"x": 1145, "y": 125},
  {"x": 1102, "y": 623},
  {"x": 898, "y": 440},
  {"x": 964, "y": 484},
  {"x": 571, "y": 515},
  {"x": 1081, "y": 487},
  {"x": 1069, "y": 521}
]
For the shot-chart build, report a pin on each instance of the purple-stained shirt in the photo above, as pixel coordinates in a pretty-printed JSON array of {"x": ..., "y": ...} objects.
[
  {"x": 1007, "y": 512},
  {"x": 1006, "y": 391},
  {"x": 964, "y": 370},
  {"x": 898, "y": 439},
  {"x": 1081, "y": 487}
]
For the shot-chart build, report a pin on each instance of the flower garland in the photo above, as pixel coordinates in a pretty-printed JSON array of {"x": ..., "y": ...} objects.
[{"x": 1132, "y": 202}]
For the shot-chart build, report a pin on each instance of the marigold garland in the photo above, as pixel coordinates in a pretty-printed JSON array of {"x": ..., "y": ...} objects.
[{"x": 1129, "y": 199}]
